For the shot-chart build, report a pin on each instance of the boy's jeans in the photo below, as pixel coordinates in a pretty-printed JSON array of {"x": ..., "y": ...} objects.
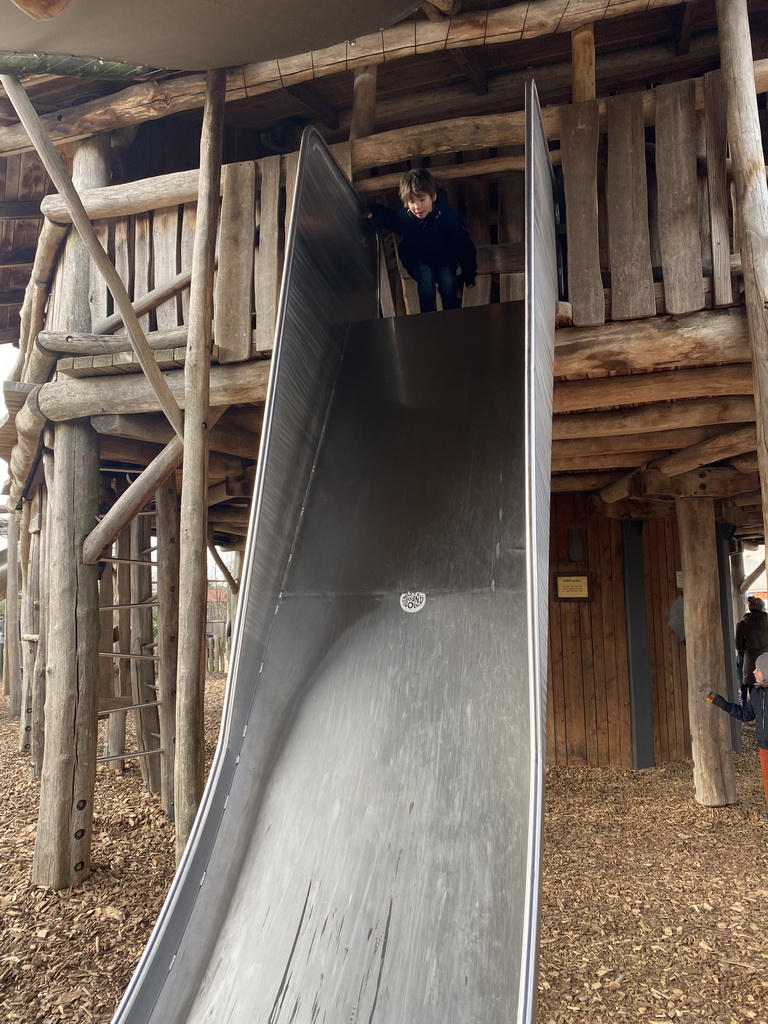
[{"x": 426, "y": 278}]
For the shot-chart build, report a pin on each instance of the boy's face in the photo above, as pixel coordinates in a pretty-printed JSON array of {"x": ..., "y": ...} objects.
[
  {"x": 759, "y": 678},
  {"x": 420, "y": 204}
]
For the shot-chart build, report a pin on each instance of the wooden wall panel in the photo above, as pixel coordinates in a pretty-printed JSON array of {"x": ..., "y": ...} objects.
[
  {"x": 588, "y": 696},
  {"x": 678, "y": 197},
  {"x": 672, "y": 736},
  {"x": 579, "y": 142}
]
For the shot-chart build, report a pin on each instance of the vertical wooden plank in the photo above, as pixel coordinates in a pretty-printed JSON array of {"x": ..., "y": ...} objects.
[
  {"x": 186, "y": 246},
  {"x": 124, "y": 258},
  {"x": 511, "y": 229},
  {"x": 572, "y": 668},
  {"x": 629, "y": 243},
  {"x": 142, "y": 262},
  {"x": 268, "y": 280},
  {"x": 99, "y": 297},
  {"x": 233, "y": 282},
  {"x": 588, "y": 639},
  {"x": 602, "y": 751},
  {"x": 608, "y": 611},
  {"x": 556, "y": 696},
  {"x": 677, "y": 197},
  {"x": 165, "y": 245},
  {"x": 579, "y": 136},
  {"x": 291, "y": 162},
  {"x": 717, "y": 185},
  {"x": 477, "y": 223},
  {"x": 653, "y": 603},
  {"x": 410, "y": 291}
]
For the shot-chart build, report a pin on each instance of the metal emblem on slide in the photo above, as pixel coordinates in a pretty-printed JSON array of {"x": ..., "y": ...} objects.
[{"x": 412, "y": 602}]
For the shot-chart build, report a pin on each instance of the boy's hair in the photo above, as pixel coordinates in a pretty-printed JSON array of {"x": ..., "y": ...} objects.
[{"x": 417, "y": 182}]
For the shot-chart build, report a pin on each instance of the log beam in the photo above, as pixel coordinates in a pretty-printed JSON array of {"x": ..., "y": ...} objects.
[
  {"x": 712, "y": 483},
  {"x": 231, "y": 441},
  {"x": 239, "y": 384},
  {"x": 148, "y": 101},
  {"x": 662, "y": 416},
  {"x": 725, "y": 445},
  {"x": 641, "y": 388}
]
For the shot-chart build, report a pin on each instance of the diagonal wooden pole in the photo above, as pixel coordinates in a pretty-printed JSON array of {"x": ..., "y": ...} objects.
[
  {"x": 138, "y": 494},
  {"x": 193, "y": 575},
  {"x": 61, "y": 179}
]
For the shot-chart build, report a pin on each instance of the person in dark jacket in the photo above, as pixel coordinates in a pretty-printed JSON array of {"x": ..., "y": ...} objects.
[
  {"x": 434, "y": 242},
  {"x": 755, "y": 710},
  {"x": 751, "y": 641}
]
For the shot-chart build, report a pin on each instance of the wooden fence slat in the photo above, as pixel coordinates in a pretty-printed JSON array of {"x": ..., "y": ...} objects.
[
  {"x": 165, "y": 225},
  {"x": 629, "y": 246},
  {"x": 579, "y": 141},
  {"x": 717, "y": 184},
  {"x": 268, "y": 266},
  {"x": 677, "y": 197},
  {"x": 98, "y": 295},
  {"x": 142, "y": 252},
  {"x": 186, "y": 244},
  {"x": 235, "y": 275}
]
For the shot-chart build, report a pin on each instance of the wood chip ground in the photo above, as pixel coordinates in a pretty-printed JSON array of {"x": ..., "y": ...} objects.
[{"x": 653, "y": 908}]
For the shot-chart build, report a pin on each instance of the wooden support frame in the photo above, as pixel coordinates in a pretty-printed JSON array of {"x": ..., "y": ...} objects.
[{"x": 61, "y": 179}]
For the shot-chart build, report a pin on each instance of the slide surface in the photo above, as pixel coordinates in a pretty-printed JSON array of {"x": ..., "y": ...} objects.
[{"x": 368, "y": 845}]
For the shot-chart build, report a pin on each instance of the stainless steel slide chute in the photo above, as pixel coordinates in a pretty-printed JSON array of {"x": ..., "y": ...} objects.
[{"x": 367, "y": 847}]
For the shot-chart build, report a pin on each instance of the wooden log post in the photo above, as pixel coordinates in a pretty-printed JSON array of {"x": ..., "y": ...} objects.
[
  {"x": 583, "y": 86},
  {"x": 63, "y": 845},
  {"x": 749, "y": 180},
  {"x": 30, "y": 619},
  {"x": 37, "y": 752},
  {"x": 12, "y": 651},
  {"x": 363, "y": 103},
  {"x": 189, "y": 769},
  {"x": 738, "y": 604},
  {"x": 713, "y": 775},
  {"x": 167, "y": 529}
]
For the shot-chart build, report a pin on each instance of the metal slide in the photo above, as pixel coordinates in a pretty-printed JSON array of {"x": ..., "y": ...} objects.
[{"x": 367, "y": 849}]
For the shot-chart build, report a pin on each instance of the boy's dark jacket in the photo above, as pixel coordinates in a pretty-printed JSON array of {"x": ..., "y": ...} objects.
[
  {"x": 439, "y": 240},
  {"x": 755, "y": 710}
]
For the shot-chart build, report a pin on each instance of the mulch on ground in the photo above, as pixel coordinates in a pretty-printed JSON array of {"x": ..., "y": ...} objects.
[{"x": 652, "y": 909}]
